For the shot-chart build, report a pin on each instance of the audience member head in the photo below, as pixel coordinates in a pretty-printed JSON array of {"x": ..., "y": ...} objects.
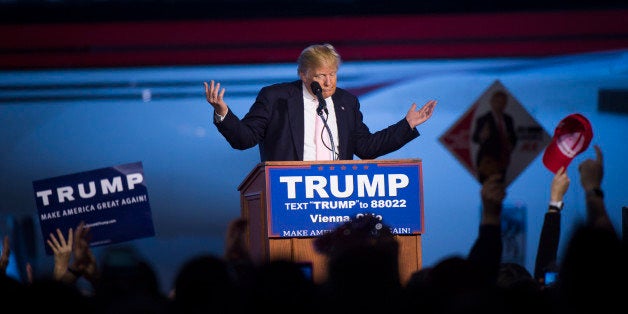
[
  {"x": 13, "y": 292},
  {"x": 56, "y": 296},
  {"x": 514, "y": 276},
  {"x": 237, "y": 253},
  {"x": 128, "y": 282},
  {"x": 593, "y": 271},
  {"x": 203, "y": 284},
  {"x": 521, "y": 292},
  {"x": 281, "y": 286},
  {"x": 457, "y": 285},
  {"x": 236, "y": 249},
  {"x": 362, "y": 259}
]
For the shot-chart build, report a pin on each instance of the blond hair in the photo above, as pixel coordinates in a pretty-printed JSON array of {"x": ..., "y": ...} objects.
[{"x": 315, "y": 56}]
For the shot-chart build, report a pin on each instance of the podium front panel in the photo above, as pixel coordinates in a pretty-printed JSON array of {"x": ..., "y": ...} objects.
[
  {"x": 313, "y": 199},
  {"x": 392, "y": 189}
]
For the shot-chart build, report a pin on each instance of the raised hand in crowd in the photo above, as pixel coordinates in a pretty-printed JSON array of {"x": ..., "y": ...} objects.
[
  {"x": 74, "y": 249},
  {"x": 487, "y": 249},
  {"x": 85, "y": 262},
  {"x": 550, "y": 233},
  {"x": 594, "y": 264},
  {"x": 62, "y": 250},
  {"x": 560, "y": 184},
  {"x": 493, "y": 193},
  {"x": 591, "y": 175}
]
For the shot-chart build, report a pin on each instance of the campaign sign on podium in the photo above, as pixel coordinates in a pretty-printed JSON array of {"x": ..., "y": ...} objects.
[
  {"x": 310, "y": 200},
  {"x": 112, "y": 202}
]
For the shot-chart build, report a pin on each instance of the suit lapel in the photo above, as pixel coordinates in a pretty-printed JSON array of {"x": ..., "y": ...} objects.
[
  {"x": 341, "y": 124},
  {"x": 295, "y": 115}
]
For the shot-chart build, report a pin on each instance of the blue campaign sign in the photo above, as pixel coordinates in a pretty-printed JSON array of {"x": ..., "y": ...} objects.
[
  {"x": 112, "y": 202},
  {"x": 310, "y": 200}
]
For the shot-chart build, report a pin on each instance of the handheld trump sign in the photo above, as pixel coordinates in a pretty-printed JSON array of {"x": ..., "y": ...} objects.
[
  {"x": 112, "y": 202},
  {"x": 310, "y": 200}
]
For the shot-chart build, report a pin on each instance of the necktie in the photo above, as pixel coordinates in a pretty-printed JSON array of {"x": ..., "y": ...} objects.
[
  {"x": 322, "y": 153},
  {"x": 501, "y": 127},
  {"x": 503, "y": 137}
]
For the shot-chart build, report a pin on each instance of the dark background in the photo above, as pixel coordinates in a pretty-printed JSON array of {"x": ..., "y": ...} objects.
[{"x": 46, "y": 11}]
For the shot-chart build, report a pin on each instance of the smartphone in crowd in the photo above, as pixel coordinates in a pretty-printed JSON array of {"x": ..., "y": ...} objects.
[
  {"x": 307, "y": 269},
  {"x": 550, "y": 277}
]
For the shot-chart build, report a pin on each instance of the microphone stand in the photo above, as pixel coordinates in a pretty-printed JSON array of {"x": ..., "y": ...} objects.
[
  {"x": 322, "y": 105},
  {"x": 326, "y": 127}
]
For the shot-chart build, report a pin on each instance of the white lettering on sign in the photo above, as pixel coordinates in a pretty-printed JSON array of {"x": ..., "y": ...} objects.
[
  {"x": 66, "y": 193},
  {"x": 378, "y": 184}
]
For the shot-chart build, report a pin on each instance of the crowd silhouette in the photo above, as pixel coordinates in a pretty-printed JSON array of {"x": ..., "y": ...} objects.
[{"x": 362, "y": 259}]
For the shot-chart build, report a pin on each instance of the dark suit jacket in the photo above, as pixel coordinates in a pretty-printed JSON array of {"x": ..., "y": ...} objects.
[{"x": 275, "y": 123}]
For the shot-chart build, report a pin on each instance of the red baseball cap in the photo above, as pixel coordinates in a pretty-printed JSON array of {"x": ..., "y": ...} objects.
[{"x": 572, "y": 136}]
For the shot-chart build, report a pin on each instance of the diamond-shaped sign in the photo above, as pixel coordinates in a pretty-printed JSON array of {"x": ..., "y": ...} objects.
[{"x": 496, "y": 135}]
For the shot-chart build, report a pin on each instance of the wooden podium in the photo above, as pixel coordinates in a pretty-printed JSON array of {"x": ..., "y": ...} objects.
[{"x": 254, "y": 201}]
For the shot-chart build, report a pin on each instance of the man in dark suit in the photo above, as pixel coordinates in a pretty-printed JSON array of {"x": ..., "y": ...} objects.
[
  {"x": 495, "y": 133},
  {"x": 282, "y": 119}
]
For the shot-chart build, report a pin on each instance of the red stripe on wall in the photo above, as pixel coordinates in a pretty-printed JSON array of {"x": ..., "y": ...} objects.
[{"x": 281, "y": 40}]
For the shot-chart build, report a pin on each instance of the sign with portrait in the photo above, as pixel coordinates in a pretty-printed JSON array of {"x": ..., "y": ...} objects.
[{"x": 496, "y": 135}]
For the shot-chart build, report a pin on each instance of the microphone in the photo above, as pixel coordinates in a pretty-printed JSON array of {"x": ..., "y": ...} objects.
[{"x": 318, "y": 91}]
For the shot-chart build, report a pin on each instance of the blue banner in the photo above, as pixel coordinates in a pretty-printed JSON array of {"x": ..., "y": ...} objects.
[
  {"x": 307, "y": 201},
  {"x": 112, "y": 202}
]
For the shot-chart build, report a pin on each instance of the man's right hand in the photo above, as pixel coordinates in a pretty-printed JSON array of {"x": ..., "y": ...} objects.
[
  {"x": 215, "y": 97},
  {"x": 417, "y": 117}
]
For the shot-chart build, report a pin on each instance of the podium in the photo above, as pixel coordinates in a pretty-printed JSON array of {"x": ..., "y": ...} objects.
[{"x": 276, "y": 189}]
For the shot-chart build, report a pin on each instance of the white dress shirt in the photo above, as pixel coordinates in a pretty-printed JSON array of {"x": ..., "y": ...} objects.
[{"x": 309, "y": 115}]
